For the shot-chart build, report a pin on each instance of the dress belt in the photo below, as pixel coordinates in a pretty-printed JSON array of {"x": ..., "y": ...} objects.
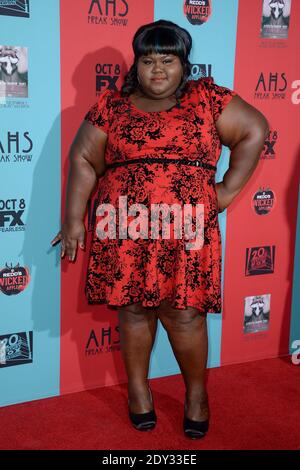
[{"x": 176, "y": 161}]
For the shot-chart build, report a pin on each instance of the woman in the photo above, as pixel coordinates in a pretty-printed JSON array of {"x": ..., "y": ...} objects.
[{"x": 155, "y": 141}]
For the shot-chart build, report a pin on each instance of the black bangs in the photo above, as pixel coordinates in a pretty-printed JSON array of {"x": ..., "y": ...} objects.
[
  {"x": 160, "y": 37},
  {"x": 160, "y": 41}
]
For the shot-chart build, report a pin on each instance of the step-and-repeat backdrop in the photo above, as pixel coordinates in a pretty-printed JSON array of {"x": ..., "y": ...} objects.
[{"x": 56, "y": 58}]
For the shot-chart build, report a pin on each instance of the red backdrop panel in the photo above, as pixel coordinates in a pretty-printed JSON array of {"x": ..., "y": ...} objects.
[
  {"x": 246, "y": 229},
  {"x": 95, "y": 52}
]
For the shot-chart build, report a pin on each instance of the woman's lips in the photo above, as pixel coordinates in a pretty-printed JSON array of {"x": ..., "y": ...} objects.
[{"x": 157, "y": 79}]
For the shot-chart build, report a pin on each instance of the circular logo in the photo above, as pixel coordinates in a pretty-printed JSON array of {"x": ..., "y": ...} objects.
[
  {"x": 197, "y": 11},
  {"x": 263, "y": 201},
  {"x": 13, "y": 280}
]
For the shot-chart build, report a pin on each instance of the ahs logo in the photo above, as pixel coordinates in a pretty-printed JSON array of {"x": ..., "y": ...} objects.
[
  {"x": 103, "y": 7},
  {"x": 14, "y": 140},
  {"x": 272, "y": 82}
]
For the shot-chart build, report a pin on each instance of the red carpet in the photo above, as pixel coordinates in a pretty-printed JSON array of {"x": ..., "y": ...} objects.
[{"x": 253, "y": 406}]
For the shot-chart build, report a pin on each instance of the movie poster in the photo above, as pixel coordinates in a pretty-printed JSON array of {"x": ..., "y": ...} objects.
[
  {"x": 257, "y": 313},
  {"x": 13, "y": 72},
  {"x": 275, "y": 19}
]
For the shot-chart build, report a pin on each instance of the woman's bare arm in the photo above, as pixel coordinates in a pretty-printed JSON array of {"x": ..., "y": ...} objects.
[
  {"x": 86, "y": 160},
  {"x": 86, "y": 164},
  {"x": 243, "y": 129}
]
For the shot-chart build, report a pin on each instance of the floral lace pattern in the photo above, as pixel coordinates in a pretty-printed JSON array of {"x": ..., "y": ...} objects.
[{"x": 124, "y": 271}]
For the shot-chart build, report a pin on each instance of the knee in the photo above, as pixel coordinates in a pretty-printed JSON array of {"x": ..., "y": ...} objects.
[
  {"x": 135, "y": 314},
  {"x": 181, "y": 319}
]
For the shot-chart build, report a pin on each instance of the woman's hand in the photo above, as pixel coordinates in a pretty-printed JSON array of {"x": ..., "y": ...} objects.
[
  {"x": 224, "y": 197},
  {"x": 71, "y": 234}
]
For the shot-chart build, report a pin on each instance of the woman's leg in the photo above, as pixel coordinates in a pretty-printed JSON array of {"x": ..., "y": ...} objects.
[
  {"x": 138, "y": 327},
  {"x": 187, "y": 333}
]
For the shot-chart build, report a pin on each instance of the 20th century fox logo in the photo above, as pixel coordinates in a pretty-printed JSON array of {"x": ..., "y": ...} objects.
[{"x": 14, "y": 8}]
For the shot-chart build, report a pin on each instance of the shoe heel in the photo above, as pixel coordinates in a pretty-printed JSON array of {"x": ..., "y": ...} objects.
[
  {"x": 143, "y": 421},
  {"x": 194, "y": 429}
]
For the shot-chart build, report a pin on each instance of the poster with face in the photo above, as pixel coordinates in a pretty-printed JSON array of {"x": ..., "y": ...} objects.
[
  {"x": 13, "y": 71},
  {"x": 257, "y": 313},
  {"x": 275, "y": 19}
]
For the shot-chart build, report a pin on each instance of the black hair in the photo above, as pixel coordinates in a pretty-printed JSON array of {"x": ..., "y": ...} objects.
[{"x": 160, "y": 37}]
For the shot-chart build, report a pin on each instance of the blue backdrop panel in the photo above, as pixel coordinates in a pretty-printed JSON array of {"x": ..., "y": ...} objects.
[
  {"x": 213, "y": 49},
  {"x": 31, "y": 368},
  {"x": 295, "y": 328}
]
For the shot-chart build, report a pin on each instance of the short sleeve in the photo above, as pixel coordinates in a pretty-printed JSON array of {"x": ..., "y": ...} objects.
[
  {"x": 219, "y": 96},
  {"x": 99, "y": 114}
]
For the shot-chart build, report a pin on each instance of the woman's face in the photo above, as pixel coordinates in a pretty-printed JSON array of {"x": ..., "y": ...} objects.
[{"x": 159, "y": 74}]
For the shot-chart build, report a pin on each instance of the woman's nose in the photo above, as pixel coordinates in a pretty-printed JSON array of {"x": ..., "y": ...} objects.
[{"x": 157, "y": 67}]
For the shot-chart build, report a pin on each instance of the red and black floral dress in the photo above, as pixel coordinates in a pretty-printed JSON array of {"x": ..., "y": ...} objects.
[{"x": 148, "y": 162}]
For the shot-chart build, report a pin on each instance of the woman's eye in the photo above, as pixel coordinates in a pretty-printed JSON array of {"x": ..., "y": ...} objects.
[{"x": 168, "y": 61}]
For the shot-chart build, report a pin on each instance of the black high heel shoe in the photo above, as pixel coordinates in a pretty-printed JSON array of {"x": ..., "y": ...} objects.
[
  {"x": 194, "y": 429},
  {"x": 143, "y": 421}
]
